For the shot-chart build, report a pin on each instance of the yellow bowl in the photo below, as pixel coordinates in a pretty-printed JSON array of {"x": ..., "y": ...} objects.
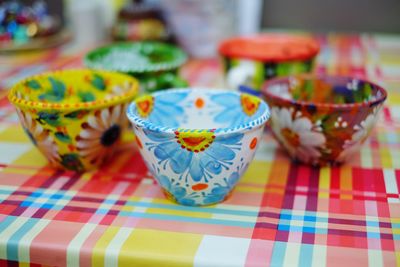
[{"x": 74, "y": 117}]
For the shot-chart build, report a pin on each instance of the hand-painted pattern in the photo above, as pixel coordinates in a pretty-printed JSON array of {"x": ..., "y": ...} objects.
[
  {"x": 195, "y": 165},
  {"x": 196, "y": 155},
  {"x": 75, "y": 117}
]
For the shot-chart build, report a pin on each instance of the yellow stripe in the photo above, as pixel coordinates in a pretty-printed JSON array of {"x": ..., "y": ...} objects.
[
  {"x": 192, "y": 214},
  {"x": 324, "y": 182},
  {"x": 386, "y": 158},
  {"x": 346, "y": 182},
  {"x": 87, "y": 176},
  {"x": 257, "y": 173},
  {"x": 14, "y": 133},
  {"x": 99, "y": 249},
  {"x": 398, "y": 259},
  {"x": 155, "y": 248},
  {"x": 279, "y": 173}
]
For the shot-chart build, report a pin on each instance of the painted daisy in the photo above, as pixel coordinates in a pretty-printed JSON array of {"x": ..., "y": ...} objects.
[
  {"x": 101, "y": 133},
  {"x": 119, "y": 90},
  {"x": 196, "y": 154},
  {"x": 300, "y": 137},
  {"x": 362, "y": 131},
  {"x": 39, "y": 136}
]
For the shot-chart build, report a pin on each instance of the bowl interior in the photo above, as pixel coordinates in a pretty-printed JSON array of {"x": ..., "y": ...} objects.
[
  {"x": 325, "y": 90},
  {"x": 74, "y": 87},
  {"x": 199, "y": 109},
  {"x": 136, "y": 57},
  {"x": 270, "y": 47}
]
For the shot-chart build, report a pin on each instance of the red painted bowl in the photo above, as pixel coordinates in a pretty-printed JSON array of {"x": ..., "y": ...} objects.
[
  {"x": 322, "y": 119},
  {"x": 249, "y": 61}
]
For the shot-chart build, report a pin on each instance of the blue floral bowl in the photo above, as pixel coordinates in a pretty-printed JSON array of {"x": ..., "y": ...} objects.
[{"x": 198, "y": 142}]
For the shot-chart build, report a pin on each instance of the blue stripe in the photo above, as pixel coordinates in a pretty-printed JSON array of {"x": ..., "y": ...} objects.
[
  {"x": 278, "y": 254},
  {"x": 12, "y": 244},
  {"x": 6, "y": 191},
  {"x": 187, "y": 219},
  {"x": 286, "y": 216},
  {"x": 306, "y": 255},
  {"x": 7, "y": 221}
]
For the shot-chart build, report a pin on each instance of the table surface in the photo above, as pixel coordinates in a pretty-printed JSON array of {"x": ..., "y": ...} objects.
[{"x": 280, "y": 214}]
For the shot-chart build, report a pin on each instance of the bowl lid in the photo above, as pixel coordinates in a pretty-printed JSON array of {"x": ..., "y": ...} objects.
[
  {"x": 136, "y": 57},
  {"x": 270, "y": 47}
]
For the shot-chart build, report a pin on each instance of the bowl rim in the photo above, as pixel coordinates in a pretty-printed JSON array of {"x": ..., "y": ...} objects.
[
  {"x": 223, "y": 47},
  {"x": 97, "y": 104},
  {"x": 180, "y": 58},
  {"x": 327, "y": 106},
  {"x": 244, "y": 127}
]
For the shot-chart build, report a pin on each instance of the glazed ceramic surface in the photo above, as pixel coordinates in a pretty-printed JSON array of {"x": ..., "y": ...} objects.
[
  {"x": 323, "y": 119},
  {"x": 154, "y": 64},
  {"x": 74, "y": 117},
  {"x": 249, "y": 61},
  {"x": 198, "y": 142}
]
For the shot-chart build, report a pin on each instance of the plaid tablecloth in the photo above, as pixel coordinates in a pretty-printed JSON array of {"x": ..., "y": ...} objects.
[{"x": 280, "y": 214}]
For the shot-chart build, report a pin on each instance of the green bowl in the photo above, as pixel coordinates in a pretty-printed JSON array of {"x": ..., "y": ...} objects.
[{"x": 155, "y": 65}]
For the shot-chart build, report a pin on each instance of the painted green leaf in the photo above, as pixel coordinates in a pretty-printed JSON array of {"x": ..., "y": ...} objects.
[
  {"x": 56, "y": 93},
  {"x": 71, "y": 161},
  {"x": 86, "y": 96},
  {"x": 58, "y": 88},
  {"x": 98, "y": 82},
  {"x": 52, "y": 119},
  {"x": 33, "y": 84},
  {"x": 63, "y": 137},
  {"x": 367, "y": 91},
  {"x": 75, "y": 114}
]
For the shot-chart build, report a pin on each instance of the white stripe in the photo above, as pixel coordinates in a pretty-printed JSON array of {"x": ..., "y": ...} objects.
[
  {"x": 8, "y": 232},
  {"x": 113, "y": 248},
  {"x": 221, "y": 251},
  {"x": 74, "y": 246},
  {"x": 366, "y": 157},
  {"x": 319, "y": 256},
  {"x": 11, "y": 189},
  {"x": 390, "y": 181},
  {"x": 292, "y": 254},
  {"x": 395, "y": 154},
  {"x": 25, "y": 246},
  {"x": 237, "y": 207},
  {"x": 375, "y": 258}
]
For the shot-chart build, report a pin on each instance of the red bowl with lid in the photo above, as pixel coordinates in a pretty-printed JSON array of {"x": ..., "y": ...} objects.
[{"x": 249, "y": 61}]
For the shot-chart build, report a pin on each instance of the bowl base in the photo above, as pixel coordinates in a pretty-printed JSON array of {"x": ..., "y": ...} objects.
[{"x": 170, "y": 197}]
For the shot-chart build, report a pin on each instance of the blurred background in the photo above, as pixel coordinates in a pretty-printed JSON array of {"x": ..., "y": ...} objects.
[{"x": 197, "y": 26}]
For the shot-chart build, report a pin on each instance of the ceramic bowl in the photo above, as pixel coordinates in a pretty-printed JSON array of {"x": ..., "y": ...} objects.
[
  {"x": 322, "y": 119},
  {"x": 74, "y": 117},
  {"x": 249, "y": 61},
  {"x": 198, "y": 142},
  {"x": 156, "y": 65}
]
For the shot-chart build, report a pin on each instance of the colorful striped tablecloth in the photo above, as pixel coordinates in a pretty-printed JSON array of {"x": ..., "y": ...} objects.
[{"x": 280, "y": 214}]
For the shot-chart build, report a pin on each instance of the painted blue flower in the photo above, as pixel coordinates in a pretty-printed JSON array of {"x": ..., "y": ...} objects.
[
  {"x": 221, "y": 191},
  {"x": 164, "y": 111},
  {"x": 236, "y": 110},
  {"x": 198, "y": 154},
  {"x": 178, "y": 192}
]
